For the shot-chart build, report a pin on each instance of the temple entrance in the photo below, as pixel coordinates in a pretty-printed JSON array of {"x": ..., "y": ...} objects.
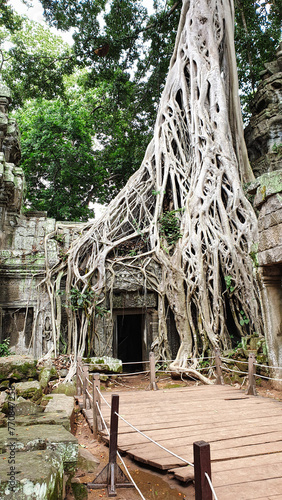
[{"x": 130, "y": 339}]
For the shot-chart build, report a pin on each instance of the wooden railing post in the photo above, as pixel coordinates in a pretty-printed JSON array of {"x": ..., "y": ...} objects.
[
  {"x": 84, "y": 386},
  {"x": 78, "y": 373},
  {"x": 96, "y": 400},
  {"x": 219, "y": 377},
  {"x": 202, "y": 465},
  {"x": 153, "y": 385},
  {"x": 251, "y": 375},
  {"x": 87, "y": 401}
]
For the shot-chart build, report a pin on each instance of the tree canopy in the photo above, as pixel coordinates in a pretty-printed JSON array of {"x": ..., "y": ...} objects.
[{"x": 118, "y": 62}]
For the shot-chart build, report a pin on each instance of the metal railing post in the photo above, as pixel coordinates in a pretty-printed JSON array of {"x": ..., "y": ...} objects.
[
  {"x": 251, "y": 390},
  {"x": 202, "y": 465}
]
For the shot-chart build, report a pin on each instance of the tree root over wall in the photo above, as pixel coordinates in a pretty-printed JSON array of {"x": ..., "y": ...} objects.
[{"x": 192, "y": 174}]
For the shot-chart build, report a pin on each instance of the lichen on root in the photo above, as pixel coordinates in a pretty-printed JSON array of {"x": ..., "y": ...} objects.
[{"x": 193, "y": 168}]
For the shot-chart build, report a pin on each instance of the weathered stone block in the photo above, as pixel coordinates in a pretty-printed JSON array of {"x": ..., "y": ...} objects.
[
  {"x": 271, "y": 256},
  {"x": 36, "y": 475},
  {"x": 39, "y": 437},
  {"x": 29, "y": 390},
  {"x": 60, "y": 403},
  {"x": 43, "y": 419},
  {"x": 104, "y": 364},
  {"x": 17, "y": 367},
  {"x": 86, "y": 461},
  {"x": 68, "y": 388},
  {"x": 44, "y": 377},
  {"x": 269, "y": 238}
]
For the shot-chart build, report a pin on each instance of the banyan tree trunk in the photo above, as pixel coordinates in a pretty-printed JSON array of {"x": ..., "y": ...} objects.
[{"x": 185, "y": 209}]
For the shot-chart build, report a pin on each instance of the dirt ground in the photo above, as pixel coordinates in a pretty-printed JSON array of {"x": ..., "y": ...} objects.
[{"x": 152, "y": 484}]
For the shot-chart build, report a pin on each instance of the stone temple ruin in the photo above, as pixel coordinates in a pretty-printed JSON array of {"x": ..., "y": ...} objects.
[{"x": 24, "y": 248}]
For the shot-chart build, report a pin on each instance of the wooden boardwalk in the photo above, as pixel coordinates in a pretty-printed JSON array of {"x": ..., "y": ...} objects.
[{"x": 244, "y": 432}]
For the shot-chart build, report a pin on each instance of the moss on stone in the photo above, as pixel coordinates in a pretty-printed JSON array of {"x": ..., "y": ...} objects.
[{"x": 79, "y": 491}]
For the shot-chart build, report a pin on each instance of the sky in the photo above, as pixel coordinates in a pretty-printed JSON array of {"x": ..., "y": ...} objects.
[{"x": 36, "y": 14}]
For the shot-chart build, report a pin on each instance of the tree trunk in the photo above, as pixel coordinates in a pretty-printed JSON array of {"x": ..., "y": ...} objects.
[{"x": 192, "y": 173}]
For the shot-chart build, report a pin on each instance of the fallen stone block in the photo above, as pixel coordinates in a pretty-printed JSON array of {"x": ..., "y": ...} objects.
[
  {"x": 104, "y": 364},
  {"x": 40, "y": 437},
  {"x": 86, "y": 461},
  {"x": 43, "y": 418},
  {"x": 60, "y": 403},
  {"x": 17, "y": 368},
  {"x": 31, "y": 475}
]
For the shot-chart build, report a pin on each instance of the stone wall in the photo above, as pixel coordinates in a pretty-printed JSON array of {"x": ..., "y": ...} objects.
[
  {"x": 264, "y": 142},
  {"x": 23, "y": 251}
]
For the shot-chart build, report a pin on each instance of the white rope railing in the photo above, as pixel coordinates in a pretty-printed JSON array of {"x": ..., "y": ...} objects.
[
  {"x": 211, "y": 486},
  {"x": 105, "y": 401},
  {"x": 268, "y": 366},
  {"x": 267, "y": 378},
  {"x": 127, "y": 374},
  {"x": 230, "y": 360},
  {"x": 155, "y": 442},
  {"x": 234, "y": 371},
  {"x": 119, "y": 456}
]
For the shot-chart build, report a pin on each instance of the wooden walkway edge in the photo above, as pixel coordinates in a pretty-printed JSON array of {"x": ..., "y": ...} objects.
[{"x": 244, "y": 432}]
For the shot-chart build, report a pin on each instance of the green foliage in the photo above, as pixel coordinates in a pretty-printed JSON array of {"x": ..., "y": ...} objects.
[
  {"x": 81, "y": 300},
  {"x": 243, "y": 319},
  {"x": 8, "y": 18},
  {"x": 104, "y": 107},
  {"x": 228, "y": 281},
  {"x": 257, "y": 35},
  {"x": 58, "y": 159},
  {"x": 277, "y": 149},
  {"x": 5, "y": 348},
  {"x": 170, "y": 226},
  {"x": 39, "y": 57}
]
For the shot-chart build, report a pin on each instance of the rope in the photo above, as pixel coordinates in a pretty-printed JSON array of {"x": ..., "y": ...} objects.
[
  {"x": 211, "y": 486},
  {"x": 103, "y": 397},
  {"x": 134, "y": 362},
  {"x": 122, "y": 461},
  {"x": 270, "y": 367},
  {"x": 152, "y": 441},
  {"x": 103, "y": 420},
  {"x": 89, "y": 395},
  {"x": 230, "y": 360},
  {"x": 268, "y": 378},
  {"x": 126, "y": 374},
  {"x": 235, "y": 371}
]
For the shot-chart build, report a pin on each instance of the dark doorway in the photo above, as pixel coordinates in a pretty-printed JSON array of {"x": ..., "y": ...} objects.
[
  {"x": 129, "y": 340},
  {"x": 172, "y": 334}
]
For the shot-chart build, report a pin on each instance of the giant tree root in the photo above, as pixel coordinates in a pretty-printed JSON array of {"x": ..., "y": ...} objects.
[{"x": 192, "y": 174}]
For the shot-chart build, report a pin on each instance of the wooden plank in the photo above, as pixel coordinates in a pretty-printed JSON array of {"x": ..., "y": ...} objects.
[
  {"x": 253, "y": 490},
  {"x": 246, "y": 475},
  {"x": 176, "y": 444},
  {"x": 243, "y": 432},
  {"x": 229, "y": 466},
  {"x": 187, "y": 436}
]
